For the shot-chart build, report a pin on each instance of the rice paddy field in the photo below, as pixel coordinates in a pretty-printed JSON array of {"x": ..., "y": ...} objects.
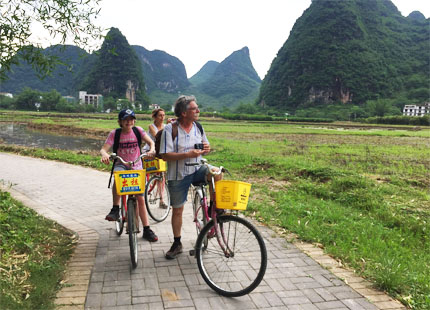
[{"x": 362, "y": 192}]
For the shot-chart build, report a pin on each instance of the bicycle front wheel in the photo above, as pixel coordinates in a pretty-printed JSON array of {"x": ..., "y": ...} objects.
[
  {"x": 132, "y": 229},
  {"x": 119, "y": 224},
  {"x": 238, "y": 270},
  {"x": 157, "y": 198}
]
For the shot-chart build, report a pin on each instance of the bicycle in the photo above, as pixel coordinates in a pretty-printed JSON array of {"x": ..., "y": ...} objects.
[
  {"x": 157, "y": 198},
  {"x": 228, "y": 247},
  {"x": 128, "y": 184}
]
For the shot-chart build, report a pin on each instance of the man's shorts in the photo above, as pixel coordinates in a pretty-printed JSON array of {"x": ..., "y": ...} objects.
[
  {"x": 122, "y": 167},
  {"x": 178, "y": 190}
]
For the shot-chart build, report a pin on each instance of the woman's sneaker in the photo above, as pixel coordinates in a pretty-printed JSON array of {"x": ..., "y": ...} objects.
[
  {"x": 113, "y": 214},
  {"x": 149, "y": 235},
  {"x": 174, "y": 250}
]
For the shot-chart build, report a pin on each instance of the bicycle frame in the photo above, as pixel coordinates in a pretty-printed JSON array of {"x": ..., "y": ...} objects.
[
  {"x": 220, "y": 259},
  {"x": 124, "y": 199},
  {"x": 131, "y": 215},
  {"x": 215, "y": 231}
]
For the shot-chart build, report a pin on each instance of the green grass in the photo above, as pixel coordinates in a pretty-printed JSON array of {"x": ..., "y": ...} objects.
[
  {"x": 363, "y": 193},
  {"x": 33, "y": 255}
]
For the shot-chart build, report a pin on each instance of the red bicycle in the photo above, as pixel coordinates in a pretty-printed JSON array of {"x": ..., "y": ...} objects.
[
  {"x": 157, "y": 198},
  {"x": 128, "y": 185}
]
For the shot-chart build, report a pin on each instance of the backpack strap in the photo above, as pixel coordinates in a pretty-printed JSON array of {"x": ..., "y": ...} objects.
[
  {"x": 138, "y": 136},
  {"x": 174, "y": 130},
  {"x": 200, "y": 127},
  {"x": 115, "y": 149},
  {"x": 139, "y": 141},
  {"x": 116, "y": 140}
]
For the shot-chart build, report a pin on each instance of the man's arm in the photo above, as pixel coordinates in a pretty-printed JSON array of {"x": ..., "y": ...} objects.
[{"x": 172, "y": 156}]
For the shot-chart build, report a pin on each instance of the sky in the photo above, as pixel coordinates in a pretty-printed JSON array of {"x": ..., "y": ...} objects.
[{"x": 196, "y": 31}]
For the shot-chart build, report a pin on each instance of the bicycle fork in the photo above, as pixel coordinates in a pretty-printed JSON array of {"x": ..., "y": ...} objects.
[{"x": 135, "y": 228}]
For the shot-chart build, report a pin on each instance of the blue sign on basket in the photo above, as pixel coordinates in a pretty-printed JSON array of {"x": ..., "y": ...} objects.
[{"x": 130, "y": 189}]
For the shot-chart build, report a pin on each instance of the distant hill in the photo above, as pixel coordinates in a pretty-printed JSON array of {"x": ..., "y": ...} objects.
[
  {"x": 65, "y": 78},
  {"x": 204, "y": 73},
  {"x": 350, "y": 51},
  {"x": 235, "y": 76},
  {"x": 417, "y": 15},
  {"x": 162, "y": 71},
  {"x": 228, "y": 83},
  {"x": 117, "y": 71},
  {"x": 219, "y": 85}
]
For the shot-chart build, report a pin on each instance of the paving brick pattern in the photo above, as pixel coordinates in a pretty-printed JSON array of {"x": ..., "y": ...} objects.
[{"x": 299, "y": 275}]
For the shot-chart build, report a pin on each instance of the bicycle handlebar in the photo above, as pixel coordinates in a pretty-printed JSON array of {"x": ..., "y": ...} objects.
[{"x": 130, "y": 163}]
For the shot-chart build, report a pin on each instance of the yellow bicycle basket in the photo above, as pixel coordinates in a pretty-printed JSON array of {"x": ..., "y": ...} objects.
[
  {"x": 232, "y": 195},
  {"x": 130, "y": 182}
]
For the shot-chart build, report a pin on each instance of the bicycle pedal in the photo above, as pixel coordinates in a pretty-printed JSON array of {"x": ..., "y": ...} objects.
[{"x": 192, "y": 252}]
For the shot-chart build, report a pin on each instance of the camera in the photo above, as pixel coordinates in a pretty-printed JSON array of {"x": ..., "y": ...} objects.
[{"x": 199, "y": 146}]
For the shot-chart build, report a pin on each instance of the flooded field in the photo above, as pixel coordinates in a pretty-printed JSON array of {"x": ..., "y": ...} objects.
[{"x": 19, "y": 134}]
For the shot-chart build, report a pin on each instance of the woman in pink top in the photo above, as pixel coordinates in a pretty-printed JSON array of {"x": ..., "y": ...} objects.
[{"x": 129, "y": 150}]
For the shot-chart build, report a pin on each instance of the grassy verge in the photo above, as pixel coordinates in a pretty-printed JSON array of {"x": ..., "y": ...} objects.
[
  {"x": 363, "y": 193},
  {"x": 33, "y": 255}
]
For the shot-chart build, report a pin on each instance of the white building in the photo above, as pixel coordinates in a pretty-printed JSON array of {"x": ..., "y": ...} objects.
[
  {"x": 416, "y": 110},
  {"x": 7, "y": 95},
  {"x": 154, "y": 106},
  {"x": 94, "y": 100}
]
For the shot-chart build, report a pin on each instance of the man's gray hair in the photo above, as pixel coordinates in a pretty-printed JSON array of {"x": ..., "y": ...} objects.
[{"x": 182, "y": 103}]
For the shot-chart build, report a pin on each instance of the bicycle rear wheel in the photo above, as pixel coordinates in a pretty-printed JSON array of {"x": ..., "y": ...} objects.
[
  {"x": 133, "y": 228},
  {"x": 201, "y": 218},
  {"x": 156, "y": 191},
  {"x": 119, "y": 224},
  {"x": 242, "y": 270}
]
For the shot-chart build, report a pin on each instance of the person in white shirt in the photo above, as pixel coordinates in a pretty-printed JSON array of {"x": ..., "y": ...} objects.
[{"x": 177, "y": 152}]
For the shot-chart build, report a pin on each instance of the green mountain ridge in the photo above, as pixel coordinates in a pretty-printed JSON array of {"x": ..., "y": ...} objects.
[
  {"x": 234, "y": 76},
  {"x": 117, "y": 64},
  {"x": 162, "y": 71},
  {"x": 204, "y": 73},
  {"x": 349, "y": 52},
  {"x": 117, "y": 71},
  {"x": 65, "y": 78}
]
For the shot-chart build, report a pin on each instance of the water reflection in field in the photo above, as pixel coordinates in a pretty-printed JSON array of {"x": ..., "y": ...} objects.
[{"x": 18, "y": 134}]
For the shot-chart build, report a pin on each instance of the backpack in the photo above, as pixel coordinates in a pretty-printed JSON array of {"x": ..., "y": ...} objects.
[
  {"x": 116, "y": 145},
  {"x": 174, "y": 135}
]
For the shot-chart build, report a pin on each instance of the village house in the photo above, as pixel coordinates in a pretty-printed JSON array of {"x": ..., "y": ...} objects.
[
  {"x": 416, "y": 110},
  {"x": 95, "y": 100}
]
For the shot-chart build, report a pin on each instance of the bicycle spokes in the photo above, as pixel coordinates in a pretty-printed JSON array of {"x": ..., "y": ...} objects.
[{"x": 234, "y": 263}]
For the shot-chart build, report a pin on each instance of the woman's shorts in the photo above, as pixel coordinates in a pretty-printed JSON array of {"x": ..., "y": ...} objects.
[
  {"x": 122, "y": 167},
  {"x": 178, "y": 190}
]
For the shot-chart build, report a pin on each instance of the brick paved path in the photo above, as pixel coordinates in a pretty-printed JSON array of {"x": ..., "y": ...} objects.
[{"x": 100, "y": 275}]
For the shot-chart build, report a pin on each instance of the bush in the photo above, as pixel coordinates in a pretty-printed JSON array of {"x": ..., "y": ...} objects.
[
  {"x": 399, "y": 120},
  {"x": 309, "y": 119}
]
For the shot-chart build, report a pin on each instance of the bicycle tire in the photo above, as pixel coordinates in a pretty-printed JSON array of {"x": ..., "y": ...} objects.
[
  {"x": 243, "y": 271},
  {"x": 119, "y": 224},
  {"x": 132, "y": 230},
  {"x": 152, "y": 199}
]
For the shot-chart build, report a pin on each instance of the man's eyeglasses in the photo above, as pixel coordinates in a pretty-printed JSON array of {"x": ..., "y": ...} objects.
[{"x": 195, "y": 108}]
